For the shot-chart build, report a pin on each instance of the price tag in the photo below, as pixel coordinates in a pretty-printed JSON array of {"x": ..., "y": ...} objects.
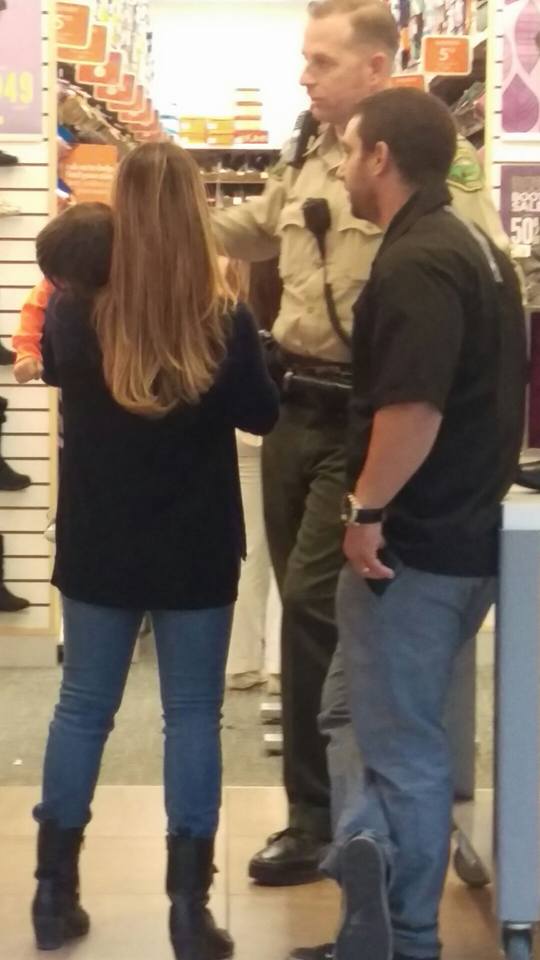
[
  {"x": 109, "y": 73},
  {"x": 96, "y": 52},
  {"x": 123, "y": 93},
  {"x": 72, "y": 24},
  {"x": 447, "y": 56},
  {"x": 21, "y": 99},
  {"x": 415, "y": 80}
]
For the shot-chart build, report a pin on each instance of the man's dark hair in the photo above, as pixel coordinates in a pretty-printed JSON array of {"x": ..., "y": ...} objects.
[
  {"x": 418, "y": 129},
  {"x": 74, "y": 249}
]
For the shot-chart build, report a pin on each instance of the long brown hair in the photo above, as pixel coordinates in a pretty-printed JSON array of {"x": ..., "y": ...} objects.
[{"x": 161, "y": 318}]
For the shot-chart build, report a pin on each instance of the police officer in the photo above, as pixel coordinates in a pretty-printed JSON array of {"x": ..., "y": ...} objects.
[{"x": 349, "y": 49}]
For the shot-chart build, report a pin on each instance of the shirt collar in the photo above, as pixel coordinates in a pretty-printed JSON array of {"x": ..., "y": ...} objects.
[
  {"x": 328, "y": 146},
  {"x": 424, "y": 201}
]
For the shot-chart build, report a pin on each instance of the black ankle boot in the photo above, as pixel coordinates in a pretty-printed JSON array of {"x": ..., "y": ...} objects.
[
  {"x": 190, "y": 870},
  {"x": 7, "y": 357},
  {"x": 56, "y": 911},
  {"x": 9, "y": 478},
  {"x": 9, "y": 603}
]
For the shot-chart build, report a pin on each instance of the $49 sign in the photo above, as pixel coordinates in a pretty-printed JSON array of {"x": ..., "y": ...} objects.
[{"x": 16, "y": 87}]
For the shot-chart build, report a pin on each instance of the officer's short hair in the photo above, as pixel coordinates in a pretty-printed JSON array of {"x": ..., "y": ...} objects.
[
  {"x": 371, "y": 20},
  {"x": 418, "y": 129}
]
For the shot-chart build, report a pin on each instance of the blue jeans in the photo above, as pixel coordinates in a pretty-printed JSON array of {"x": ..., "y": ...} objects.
[
  {"x": 192, "y": 649},
  {"x": 388, "y": 756}
]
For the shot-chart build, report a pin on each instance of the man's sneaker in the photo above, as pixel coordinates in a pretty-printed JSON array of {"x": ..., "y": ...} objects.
[
  {"x": 326, "y": 951},
  {"x": 366, "y": 929}
]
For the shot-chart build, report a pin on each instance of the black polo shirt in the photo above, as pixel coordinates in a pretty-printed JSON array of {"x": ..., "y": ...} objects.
[{"x": 441, "y": 322}]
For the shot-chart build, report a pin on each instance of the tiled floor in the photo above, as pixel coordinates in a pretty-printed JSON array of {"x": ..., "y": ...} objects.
[{"x": 122, "y": 877}]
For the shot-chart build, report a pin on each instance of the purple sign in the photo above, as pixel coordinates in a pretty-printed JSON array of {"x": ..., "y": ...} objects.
[
  {"x": 20, "y": 69},
  {"x": 520, "y": 204}
]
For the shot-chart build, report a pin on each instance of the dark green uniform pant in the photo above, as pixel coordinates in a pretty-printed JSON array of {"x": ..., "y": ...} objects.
[{"x": 304, "y": 481}]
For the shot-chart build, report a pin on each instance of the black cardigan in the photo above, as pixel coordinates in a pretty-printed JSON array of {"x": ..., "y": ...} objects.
[{"x": 149, "y": 510}]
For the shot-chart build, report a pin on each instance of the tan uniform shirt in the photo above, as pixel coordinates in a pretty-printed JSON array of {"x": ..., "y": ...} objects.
[{"x": 273, "y": 224}]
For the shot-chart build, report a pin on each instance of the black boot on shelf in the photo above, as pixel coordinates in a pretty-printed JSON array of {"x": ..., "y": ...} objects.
[
  {"x": 528, "y": 475},
  {"x": 193, "y": 930},
  {"x": 9, "y": 603},
  {"x": 9, "y": 478},
  {"x": 56, "y": 912},
  {"x": 7, "y": 159},
  {"x": 7, "y": 357}
]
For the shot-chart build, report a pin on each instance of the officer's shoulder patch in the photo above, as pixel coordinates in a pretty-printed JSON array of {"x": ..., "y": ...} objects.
[{"x": 466, "y": 171}]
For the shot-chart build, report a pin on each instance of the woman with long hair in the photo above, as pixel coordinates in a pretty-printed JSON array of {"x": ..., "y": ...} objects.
[{"x": 157, "y": 369}]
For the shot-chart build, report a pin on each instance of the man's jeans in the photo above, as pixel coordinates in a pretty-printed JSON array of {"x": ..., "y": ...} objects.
[
  {"x": 383, "y": 710},
  {"x": 192, "y": 651}
]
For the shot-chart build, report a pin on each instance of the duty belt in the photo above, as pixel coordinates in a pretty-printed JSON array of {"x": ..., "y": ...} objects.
[{"x": 308, "y": 376}]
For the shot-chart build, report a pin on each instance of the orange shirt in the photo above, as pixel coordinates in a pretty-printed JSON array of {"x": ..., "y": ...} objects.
[{"x": 27, "y": 340}]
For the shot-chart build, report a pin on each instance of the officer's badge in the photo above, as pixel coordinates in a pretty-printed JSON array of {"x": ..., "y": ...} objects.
[{"x": 466, "y": 171}]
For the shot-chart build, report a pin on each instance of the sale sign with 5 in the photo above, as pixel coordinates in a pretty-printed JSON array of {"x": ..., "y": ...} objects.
[{"x": 20, "y": 70}]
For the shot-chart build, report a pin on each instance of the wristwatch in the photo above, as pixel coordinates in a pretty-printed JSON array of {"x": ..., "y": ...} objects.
[{"x": 353, "y": 514}]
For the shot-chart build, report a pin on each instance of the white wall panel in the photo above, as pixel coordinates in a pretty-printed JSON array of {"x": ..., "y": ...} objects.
[
  {"x": 38, "y": 495},
  {"x": 26, "y": 441},
  {"x": 27, "y": 421},
  {"x": 24, "y": 275},
  {"x": 24, "y": 177},
  {"x": 32, "y": 569},
  {"x": 11, "y": 300},
  {"x": 35, "y": 592},
  {"x": 13, "y": 250},
  {"x": 28, "y": 397},
  {"x": 25, "y": 227},
  {"x": 28, "y": 201},
  {"x": 27, "y": 545},
  {"x": 26, "y": 447}
]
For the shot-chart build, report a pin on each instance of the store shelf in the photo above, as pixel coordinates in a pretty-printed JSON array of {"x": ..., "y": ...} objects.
[
  {"x": 236, "y": 148},
  {"x": 239, "y": 179}
]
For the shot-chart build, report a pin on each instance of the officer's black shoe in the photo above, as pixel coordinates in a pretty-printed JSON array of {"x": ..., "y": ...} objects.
[
  {"x": 290, "y": 858},
  {"x": 366, "y": 928},
  {"x": 325, "y": 951}
]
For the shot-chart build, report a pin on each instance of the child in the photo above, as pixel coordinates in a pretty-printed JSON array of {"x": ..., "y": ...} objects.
[{"x": 78, "y": 258}]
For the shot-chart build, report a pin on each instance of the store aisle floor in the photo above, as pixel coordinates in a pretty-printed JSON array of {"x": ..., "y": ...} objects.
[{"x": 122, "y": 877}]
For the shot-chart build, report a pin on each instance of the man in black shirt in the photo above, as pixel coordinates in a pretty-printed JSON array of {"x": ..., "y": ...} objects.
[{"x": 435, "y": 432}]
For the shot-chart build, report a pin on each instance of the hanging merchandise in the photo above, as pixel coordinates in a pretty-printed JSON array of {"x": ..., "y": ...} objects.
[
  {"x": 9, "y": 478},
  {"x": 8, "y": 209},
  {"x": 8, "y": 160},
  {"x": 9, "y": 603},
  {"x": 7, "y": 357}
]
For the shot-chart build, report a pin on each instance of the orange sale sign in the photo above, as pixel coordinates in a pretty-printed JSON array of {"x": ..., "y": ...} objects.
[
  {"x": 447, "y": 56},
  {"x": 72, "y": 24},
  {"x": 90, "y": 170},
  {"x": 109, "y": 73},
  {"x": 96, "y": 52}
]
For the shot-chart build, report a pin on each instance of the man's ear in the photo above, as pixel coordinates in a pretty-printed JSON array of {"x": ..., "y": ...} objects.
[{"x": 382, "y": 158}]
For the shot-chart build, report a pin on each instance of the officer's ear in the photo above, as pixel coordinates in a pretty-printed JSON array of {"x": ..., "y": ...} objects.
[{"x": 380, "y": 70}]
